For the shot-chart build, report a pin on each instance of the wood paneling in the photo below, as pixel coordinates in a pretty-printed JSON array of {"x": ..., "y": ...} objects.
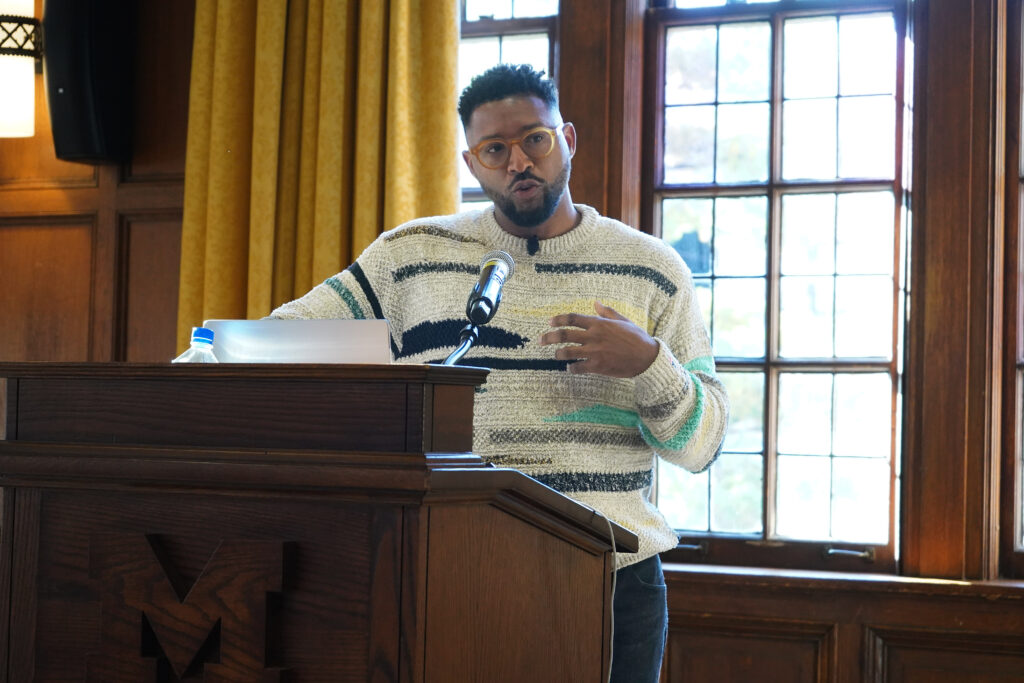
[
  {"x": 45, "y": 288},
  {"x": 150, "y": 249},
  {"x": 164, "y": 47},
  {"x": 704, "y": 647},
  {"x": 600, "y": 91},
  {"x": 123, "y": 285},
  {"x": 926, "y": 656},
  {"x": 749, "y": 624}
]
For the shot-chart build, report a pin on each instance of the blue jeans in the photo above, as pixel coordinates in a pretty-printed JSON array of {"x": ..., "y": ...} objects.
[{"x": 640, "y": 610}]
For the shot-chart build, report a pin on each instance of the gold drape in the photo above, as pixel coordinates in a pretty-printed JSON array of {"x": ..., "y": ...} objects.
[{"x": 313, "y": 126}]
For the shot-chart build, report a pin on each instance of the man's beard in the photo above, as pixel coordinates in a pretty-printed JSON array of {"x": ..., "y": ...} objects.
[{"x": 551, "y": 194}]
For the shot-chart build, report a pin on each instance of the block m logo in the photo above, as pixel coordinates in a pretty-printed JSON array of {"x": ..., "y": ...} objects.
[{"x": 157, "y": 628}]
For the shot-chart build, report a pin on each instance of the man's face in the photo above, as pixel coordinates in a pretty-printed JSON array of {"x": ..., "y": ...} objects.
[{"x": 526, "y": 190}]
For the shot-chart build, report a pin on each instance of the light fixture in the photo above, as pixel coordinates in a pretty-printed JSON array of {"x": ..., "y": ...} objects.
[{"x": 20, "y": 47}]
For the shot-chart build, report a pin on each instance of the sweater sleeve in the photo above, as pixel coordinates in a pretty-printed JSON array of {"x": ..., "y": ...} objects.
[
  {"x": 354, "y": 293},
  {"x": 682, "y": 405}
]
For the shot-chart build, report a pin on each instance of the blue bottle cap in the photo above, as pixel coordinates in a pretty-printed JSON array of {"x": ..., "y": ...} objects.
[{"x": 203, "y": 334}]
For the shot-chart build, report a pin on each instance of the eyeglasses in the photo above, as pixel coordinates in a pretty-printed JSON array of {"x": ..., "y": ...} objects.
[{"x": 536, "y": 143}]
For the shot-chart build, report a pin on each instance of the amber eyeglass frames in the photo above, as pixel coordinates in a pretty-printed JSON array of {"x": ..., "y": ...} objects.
[{"x": 536, "y": 143}]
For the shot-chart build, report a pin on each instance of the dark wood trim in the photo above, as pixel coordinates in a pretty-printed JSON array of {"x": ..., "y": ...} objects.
[
  {"x": 954, "y": 342},
  {"x": 1011, "y": 560},
  {"x": 600, "y": 92}
]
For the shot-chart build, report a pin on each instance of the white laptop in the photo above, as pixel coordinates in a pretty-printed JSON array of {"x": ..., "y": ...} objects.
[{"x": 301, "y": 341}]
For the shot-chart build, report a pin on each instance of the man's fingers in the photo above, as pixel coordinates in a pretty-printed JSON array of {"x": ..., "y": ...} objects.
[
  {"x": 572, "y": 320},
  {"x": 570, "y": 353},
  {"x": 608, "y": 312},
  {"x": 563, "y": 335}
]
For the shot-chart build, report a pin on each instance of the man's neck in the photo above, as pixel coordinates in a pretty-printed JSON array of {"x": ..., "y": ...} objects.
[{"x": 564, "y": 219}]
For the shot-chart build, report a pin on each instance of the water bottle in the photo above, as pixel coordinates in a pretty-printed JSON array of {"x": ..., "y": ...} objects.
[{"x": 201, "y": 349}]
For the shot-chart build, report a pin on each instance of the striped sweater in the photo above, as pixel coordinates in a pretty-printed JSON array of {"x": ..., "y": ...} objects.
[{"x": 592, "y": 437}]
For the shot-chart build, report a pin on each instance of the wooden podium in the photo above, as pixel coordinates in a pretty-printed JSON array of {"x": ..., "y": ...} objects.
[{"x": 282, "y": 523}]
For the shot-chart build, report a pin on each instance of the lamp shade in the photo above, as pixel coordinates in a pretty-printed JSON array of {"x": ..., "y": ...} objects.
[{"x": 17, "y": 70}]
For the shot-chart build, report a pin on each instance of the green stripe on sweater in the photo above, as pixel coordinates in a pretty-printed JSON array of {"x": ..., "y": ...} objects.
[
  {"x": 689, "y": 427},
  {"x": 346, "y": 295},
  {"x": 607, "y": 415},
  {"x": 600, "y": 414},
  {"x": 705, "y": 364}
]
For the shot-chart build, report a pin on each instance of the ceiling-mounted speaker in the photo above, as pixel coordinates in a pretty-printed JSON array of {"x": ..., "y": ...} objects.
[{"x": 89, "y": 70}]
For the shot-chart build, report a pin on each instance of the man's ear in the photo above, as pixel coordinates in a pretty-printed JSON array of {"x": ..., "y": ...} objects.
[
  {"x": 468, "y": 158},
  {"x": 570, "y": 138}
]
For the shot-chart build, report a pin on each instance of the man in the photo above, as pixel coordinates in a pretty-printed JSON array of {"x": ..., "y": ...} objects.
[{"x": 599, "y": 357}]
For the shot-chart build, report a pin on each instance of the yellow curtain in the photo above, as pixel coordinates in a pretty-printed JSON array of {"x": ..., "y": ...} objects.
[{"x": 314, "y": 125}]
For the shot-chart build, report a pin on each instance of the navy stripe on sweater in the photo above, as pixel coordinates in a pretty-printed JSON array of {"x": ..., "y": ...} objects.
[
  {"x": 595, "y": 481},
  {"x": 642, "y": 272},
  {"x": 414, "y": 269}
]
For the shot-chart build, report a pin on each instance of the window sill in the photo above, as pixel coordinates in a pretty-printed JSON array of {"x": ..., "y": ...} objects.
[{"x": 822, "y": 581}]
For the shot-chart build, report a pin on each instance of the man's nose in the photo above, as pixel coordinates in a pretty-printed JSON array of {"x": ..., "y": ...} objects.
[{"x": 518, "y": 160}]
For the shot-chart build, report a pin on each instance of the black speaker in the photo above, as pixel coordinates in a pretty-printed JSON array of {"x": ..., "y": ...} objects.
[{"x": 88, "y": 63}]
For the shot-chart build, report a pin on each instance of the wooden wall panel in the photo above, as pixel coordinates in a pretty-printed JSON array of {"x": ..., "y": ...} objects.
[
  {"x": 151, "y": 252},
  {"x": 926, "y": 656},
  {"x": 754, "y": 625},
  {"x": 161, "y": 110},
  {"x": 45, "y": 293},
  {"x": 704, "y": 647},
  {"x": 134, "y": 220}
]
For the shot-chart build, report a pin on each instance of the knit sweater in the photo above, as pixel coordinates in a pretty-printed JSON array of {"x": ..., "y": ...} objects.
[{"x": 592, "y": 437}]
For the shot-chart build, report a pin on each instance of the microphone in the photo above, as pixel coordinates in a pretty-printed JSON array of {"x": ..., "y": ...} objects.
[{"x": 495, "y": 269}]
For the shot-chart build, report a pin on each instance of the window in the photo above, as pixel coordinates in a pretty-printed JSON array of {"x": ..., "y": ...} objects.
[
  {"x": 497, "y": 32},
  {"x": 776, "y": 169}
]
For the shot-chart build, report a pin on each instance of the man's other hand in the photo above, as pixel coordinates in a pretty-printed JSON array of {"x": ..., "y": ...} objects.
[{"x": 605, "y": 344}]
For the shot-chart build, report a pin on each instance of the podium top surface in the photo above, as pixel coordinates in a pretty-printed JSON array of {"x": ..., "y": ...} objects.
[{"x": 393, "y": 372}]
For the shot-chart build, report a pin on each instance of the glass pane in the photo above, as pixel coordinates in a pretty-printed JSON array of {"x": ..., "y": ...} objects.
[
  {"x": 744, "y": 62},
  {"x": 529, "y": 48},
  {"x": 808, "y": 234},
  {"x": 863, "y": 415},
  {"x": 738, "y": 317},
  {"x": 690, "y": 65},
  {"x": 860, "y": 500},
  {"x": 805, "y": 413},
  {"x": 867, "y": 54},
  {"x": 683, "y": 497},
  {"x": 689, "y": 144},
  {"x": 802, "y": 497},
  {"x": 534, "y": 8},
  {"x": 809, "y": 139},
  {"x": 805, "y": 320},
  {"x": 700, "y": 3},
  {"x": 864, "y": 233},
  {"x": 810, "y": 55},
  {"x": 746, "y": 411},
  {"x": 741, "y": 235},
  {"x": 686, "y": 226},
  {"x": 867, "y": 137},
  {"x": 736, "y": 486},
  {"x": 742, "y": 143},
  {"x": 477, "y": 55},
  {"x": 704, "y": 300},
  {"x": 495, "y": 9},
  {"x": 864, "y": 316}
]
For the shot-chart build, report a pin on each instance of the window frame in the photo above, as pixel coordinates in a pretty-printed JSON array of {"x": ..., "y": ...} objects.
[
  {"x": 759, "y": 550},
  {"x": 1011, "y": 488}
]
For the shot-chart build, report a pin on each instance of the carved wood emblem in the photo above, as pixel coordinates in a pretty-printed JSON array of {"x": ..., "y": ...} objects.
[{"x": 155, "y": 627}]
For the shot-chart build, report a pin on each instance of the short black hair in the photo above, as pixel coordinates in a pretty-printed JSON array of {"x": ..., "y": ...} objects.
[{"x": 506, "y": 80}]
